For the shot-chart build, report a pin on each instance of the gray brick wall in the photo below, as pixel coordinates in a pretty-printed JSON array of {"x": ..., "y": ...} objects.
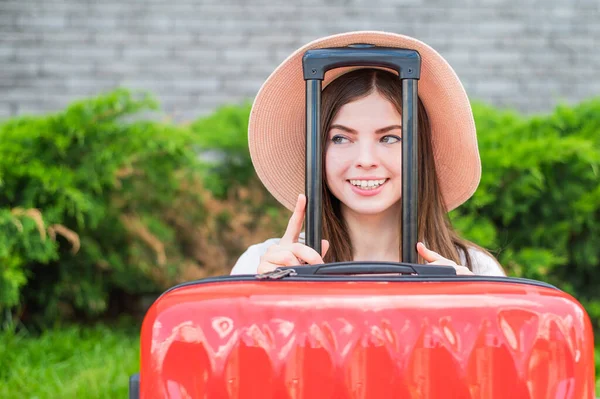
[{"x": 198, "y": 54}]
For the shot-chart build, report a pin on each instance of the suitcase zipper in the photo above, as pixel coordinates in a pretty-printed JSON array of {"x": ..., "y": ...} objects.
[{"x": 277, "y": 274}]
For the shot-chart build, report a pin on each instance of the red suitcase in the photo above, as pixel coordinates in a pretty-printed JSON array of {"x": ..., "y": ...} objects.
[{"x": 353, "y": 330}]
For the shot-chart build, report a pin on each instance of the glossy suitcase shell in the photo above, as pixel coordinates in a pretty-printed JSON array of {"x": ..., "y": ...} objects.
[{"x": 367, "y": 337}]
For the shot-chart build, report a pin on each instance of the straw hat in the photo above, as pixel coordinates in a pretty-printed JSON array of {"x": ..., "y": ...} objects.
[{"x": 276, "y": 131}]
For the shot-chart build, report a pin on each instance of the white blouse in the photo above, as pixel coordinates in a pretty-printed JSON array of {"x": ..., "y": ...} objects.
[{"x": 248, "y": 262}]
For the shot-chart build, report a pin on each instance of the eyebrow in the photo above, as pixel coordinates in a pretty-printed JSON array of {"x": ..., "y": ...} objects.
[{"x": 378, "y": 131}]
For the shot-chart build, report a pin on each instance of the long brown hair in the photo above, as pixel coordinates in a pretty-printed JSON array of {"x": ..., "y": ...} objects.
[{"x": 434, "y": 225}]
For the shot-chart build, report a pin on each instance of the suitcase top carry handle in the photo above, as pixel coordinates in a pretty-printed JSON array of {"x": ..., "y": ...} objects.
[
  {"x": 377, "y": 268},
  {"x": 318, "y": 61},
  {"x": 408, "y": 65}
]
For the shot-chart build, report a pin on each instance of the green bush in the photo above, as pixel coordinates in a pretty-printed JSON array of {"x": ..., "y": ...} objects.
[
  {"x": 230, "y": 176},
  {"x": 223, "y": 137},
  {"x": 81, "y": 200}
]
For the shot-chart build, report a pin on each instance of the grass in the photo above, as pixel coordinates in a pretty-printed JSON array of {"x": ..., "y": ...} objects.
[{"x": 72, "y": 362}]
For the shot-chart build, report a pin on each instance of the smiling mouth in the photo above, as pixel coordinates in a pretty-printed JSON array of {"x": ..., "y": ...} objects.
[{"x": 367, "y": 184}]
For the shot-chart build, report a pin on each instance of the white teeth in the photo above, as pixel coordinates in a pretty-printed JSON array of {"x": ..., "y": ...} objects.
[{"x": 367, "y": 184}]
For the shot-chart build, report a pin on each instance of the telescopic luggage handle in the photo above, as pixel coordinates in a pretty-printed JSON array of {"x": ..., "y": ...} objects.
[{"x": 408, "y": 65}]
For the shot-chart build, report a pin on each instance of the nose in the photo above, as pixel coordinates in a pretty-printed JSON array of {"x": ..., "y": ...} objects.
[{"x": 366, "y": 157}]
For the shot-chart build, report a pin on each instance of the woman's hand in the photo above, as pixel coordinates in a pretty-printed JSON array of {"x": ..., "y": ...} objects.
[
  {"x": 289, "y": 252},
  {"x": 433, "y": 258}
]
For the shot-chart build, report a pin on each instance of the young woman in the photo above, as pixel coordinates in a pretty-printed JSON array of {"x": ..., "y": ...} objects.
[{"x": 361, "y": 119}]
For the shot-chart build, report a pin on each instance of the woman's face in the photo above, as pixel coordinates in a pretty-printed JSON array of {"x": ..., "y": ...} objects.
[{"x": 363, "y": 155}]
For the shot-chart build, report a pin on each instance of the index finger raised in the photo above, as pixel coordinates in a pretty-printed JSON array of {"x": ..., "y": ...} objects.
[
  {"x": 294, "y": 226},
  {"x": 428, "y": 254}
]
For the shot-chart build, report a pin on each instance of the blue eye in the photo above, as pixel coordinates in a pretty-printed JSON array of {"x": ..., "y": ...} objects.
[
  {"x": 390, "y": 139},
  {"x": 337, "y": 139}
]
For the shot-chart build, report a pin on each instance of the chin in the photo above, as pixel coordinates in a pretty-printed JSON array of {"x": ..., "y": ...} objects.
[
  {"x": 368, "y": 211},
  {"x": 370, "y": 208}
]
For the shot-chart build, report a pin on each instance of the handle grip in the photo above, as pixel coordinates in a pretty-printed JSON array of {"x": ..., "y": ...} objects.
[{"x": 404, "y": 61}]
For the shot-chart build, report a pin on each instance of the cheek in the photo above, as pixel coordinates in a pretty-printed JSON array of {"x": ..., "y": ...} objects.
[
  {"x": 335, "y": 167},
  {"x": 335, "y": 162},
  {"x": 392, "y": 159}
]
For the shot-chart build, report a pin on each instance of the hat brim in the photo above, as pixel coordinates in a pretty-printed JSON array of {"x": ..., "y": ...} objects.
[{"x": 276, "y": 129}]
